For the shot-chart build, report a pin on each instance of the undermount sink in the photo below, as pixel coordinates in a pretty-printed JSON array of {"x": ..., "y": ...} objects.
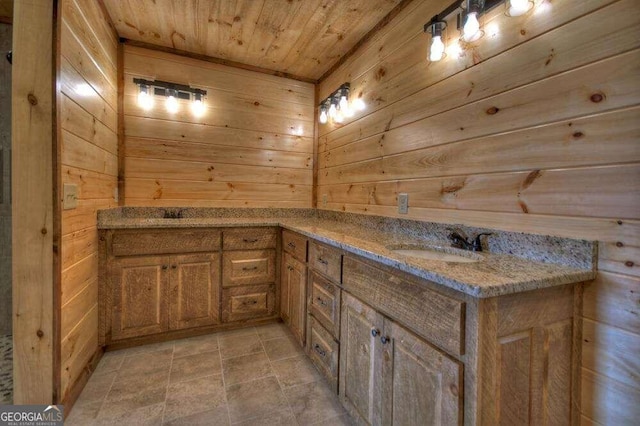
[{"x": 444, "y": 254}]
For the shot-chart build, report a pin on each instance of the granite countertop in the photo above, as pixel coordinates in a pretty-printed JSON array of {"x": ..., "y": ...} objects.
[{"x": 493, "y": 275}]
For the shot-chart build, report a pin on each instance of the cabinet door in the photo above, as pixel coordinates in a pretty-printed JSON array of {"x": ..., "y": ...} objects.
[
  {"x": 195, "y": 290},
  {"x": 420, "y": 385},
  {"x": 295, "y": 278},
  {"x": 285, "y": 299},
  {"x": 139, "y": 296},
  {"x": 360, "y": 333}
]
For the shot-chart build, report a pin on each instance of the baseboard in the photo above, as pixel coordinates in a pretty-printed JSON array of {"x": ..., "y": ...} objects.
[{"x": 76, "y": 388}]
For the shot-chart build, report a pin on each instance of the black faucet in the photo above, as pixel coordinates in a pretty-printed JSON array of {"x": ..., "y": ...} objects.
[
  {"x": 172, "y": 214},
  {"x": 458, "y": 241}
]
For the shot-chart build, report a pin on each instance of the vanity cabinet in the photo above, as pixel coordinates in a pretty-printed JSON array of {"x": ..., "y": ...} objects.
[{"x": 293, "y": 284}]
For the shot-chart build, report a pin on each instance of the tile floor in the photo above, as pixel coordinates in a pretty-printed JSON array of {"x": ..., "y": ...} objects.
[{"x": 253, "y": 376}]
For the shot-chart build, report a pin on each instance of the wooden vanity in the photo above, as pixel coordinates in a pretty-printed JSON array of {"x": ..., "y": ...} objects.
[{"x": 398, "y": 349}]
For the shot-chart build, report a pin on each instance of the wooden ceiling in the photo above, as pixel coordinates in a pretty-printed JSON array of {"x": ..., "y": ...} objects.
[{"x": 302, "y": 38}]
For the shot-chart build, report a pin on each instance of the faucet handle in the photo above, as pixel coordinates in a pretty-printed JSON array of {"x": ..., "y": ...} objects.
[{"x": 477, "y": 244}]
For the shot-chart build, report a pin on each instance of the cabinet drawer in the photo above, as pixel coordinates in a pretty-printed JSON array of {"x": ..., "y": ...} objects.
[
  {"x": 324, "y": 303},
  {"x": 133, "y": 243},
  {"x": 295, "y": 245},
  {"x": 250, "y": 302},
  {"x": 248, "y": 267},
  {"x": 326, "y": 260},
  {"x": 434, "y": 316},
  {"x": 249, "y": 238},
  {"x": 323, "y": 351}
]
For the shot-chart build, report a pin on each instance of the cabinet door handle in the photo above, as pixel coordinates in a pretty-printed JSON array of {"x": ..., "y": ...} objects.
[
  {"x": 247, "y": 268},
  {"x": 292, "y": 244},
  {"x": 174, "y": 266},
  {"x": 250, "y": 240},
  {"x": 375, "y": 332},
  {"x": 384, "y": 340},
  {"x": 251, "y": 302},
  {"x": 318, "y": 349},
  {"x": 321, "y": 260},
  {"x": 165, "y": 267},
  {"x": 289, "y": 267},
  {"x": 321, "y": 301}
]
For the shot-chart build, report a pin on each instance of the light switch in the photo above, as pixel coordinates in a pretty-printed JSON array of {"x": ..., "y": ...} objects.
[
  {"x": 69, "y": 196},
  {"x": 403, "y": 203}
]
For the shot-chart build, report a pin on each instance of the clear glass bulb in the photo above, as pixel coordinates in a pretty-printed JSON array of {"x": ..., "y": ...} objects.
[
  {"x": 338, "y": 118},
  {"x": 332, "y": 110},
  {"x": 344, "y": 103},
  {"x": 145, "y": 101},
  {"x": 471, "y": 27},
  {"x": 359, "y": 104},
  {"x": 437, "y": 49},
  {"x": 172, "y": 105},
  {"x": 323, "y": 116},
  {"x": 348, "y": 111},
  {"x": 518, "y": 7},
  {"x": 197, "y": 108}
]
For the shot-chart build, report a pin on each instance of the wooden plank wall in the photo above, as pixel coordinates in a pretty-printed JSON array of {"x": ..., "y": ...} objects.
[
  {"x": 252, "y": 148},
  {"x": 87, "y": 102},
  {"x": 535, "y": 128}
]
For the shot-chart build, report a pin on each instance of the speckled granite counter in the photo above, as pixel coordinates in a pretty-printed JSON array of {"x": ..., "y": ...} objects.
[{"x": 497, "y": 273}]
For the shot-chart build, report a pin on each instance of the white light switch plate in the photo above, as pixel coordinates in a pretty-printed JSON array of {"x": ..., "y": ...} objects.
[
  {"x": 69, "y": 196},
  {"x": 403, "y": 203}
]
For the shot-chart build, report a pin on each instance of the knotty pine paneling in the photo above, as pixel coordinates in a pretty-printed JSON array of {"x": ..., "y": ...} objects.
[
  {"x": 87, "y": 118},
  {"x": 534, "y": 128},
  {"x": 252, "y": 148}
]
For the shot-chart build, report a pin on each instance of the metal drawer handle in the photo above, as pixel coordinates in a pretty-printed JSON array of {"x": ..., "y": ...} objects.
[
  {"x": 252, "y": 240},
  {"x": 321, "y": 301},
  {"x": 251, "y": 302},
  {"x": 384, "y": 340},
  {"x": 174, "y": 266},
  {"x": 375, "y": 332},
  {"x": 318, "y": 349},
  {"x": 321, "y": 260},
  {"x": 252, "y": 268},
  {"x": 289, "y": 267},
  {"x": 292, "y": 244},
  {"x": 165, "y": 267}
]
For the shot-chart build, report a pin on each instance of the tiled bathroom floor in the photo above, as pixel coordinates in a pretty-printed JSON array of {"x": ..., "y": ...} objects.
[
  {"x": 253, "y": 376},
  {"x": 6, "y": 369}
]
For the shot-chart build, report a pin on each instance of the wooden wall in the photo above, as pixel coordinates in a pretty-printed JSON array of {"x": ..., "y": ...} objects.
[
  {"x": 87, "y": 116},
  {"x": 535, "y": 128},
  {"x": 252, "y": 148}
]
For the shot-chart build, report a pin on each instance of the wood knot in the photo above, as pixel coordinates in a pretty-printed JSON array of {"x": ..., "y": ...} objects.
[
  {"x": 523, "y": 32},
  {"x": 32, "y": 99},
  {"x": 597, "y": 98},
  {"x": 454, "y": 390},
  {"x": 40, "y": 334},
  {"x": 256, "y": 103},
  {"x": 240, "y": 43},
  {"x": 578, "y": 135},
  {"x": 237, "y": 19},
  {"x": 619, "y": 244},
  {"x": 493, "y": 110},
  {"x": 629, "y": 264},
  {"x": 43, "y": 231},
  {"x": 380, "y": 73},
  {"x": 619, "y": 222}
]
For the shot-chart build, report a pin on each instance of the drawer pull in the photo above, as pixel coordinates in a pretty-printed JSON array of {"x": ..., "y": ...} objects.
[
  {"x": 251, "y": 302},
  {"x": 292, "y": 244},
  {"x": 384, "y": 340},
  {"x": 289, "y": 267},
  {"x": 318, "y": 349},
  {"x": 321, "y": 301},
  {"x": 375, "y": 332},
  {"x": 324, "y": 262},
  {"x": 165, "y": 267},
  {"x": 249, "y": 268},
  {"x": 174, "y": 266},
  {"x": 250, "y": 240}
]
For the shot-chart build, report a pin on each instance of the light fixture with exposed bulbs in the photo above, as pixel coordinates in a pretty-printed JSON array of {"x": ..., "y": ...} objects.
[
  {"x": 337, "y": 107},
  {"x": 518, "y": 7},
  {"x": 174, "y": 93}
]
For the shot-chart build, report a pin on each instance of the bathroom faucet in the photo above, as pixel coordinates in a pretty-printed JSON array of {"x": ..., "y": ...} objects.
[{"x": 458, "y": 241}]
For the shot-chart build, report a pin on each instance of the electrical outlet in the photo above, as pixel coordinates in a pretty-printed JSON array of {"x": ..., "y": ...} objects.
[
  {"x": 403, "y": 203},
  {"x": 324, "y": 200},
  {"x": 115, "y": 194},
  {"x": 69, "y": 196}
]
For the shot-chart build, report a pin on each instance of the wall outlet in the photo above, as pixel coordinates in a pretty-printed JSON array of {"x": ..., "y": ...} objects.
[
  {"x": 403, "y": 203},
  {"x": 115, "y": 194},
  {"x": 69, "y": 196},
  {"x": 324, "y": 200}
]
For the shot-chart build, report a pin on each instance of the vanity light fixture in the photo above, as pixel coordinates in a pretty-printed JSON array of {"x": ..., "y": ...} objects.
[
  {"x": 336, "y": 107},
  {"x": 173, "y": 92},
  {"x": 468, "y": 14}
]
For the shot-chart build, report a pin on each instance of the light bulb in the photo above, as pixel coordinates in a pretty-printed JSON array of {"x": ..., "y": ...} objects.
[
  {"x": 347, "y": 112},
  {"x": 323, "y": 116},
  {"x": 332, "y": 110},
  {"x": 471, "y": 27},
  {"x": 172, "y": 104},
  {"x": 145, "y": 100},
  {"x": 518, "y": 7},
  {"x": 344, "y": 103},
  {"x": 338, "y": 118},
  {"x": 197, "y": 108},
  {"x": 359, "y": 104},
  {"x": 437, "y": 49}
]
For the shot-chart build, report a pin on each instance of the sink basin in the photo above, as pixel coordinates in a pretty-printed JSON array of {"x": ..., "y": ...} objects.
[{"x": 444, "y": 254}]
